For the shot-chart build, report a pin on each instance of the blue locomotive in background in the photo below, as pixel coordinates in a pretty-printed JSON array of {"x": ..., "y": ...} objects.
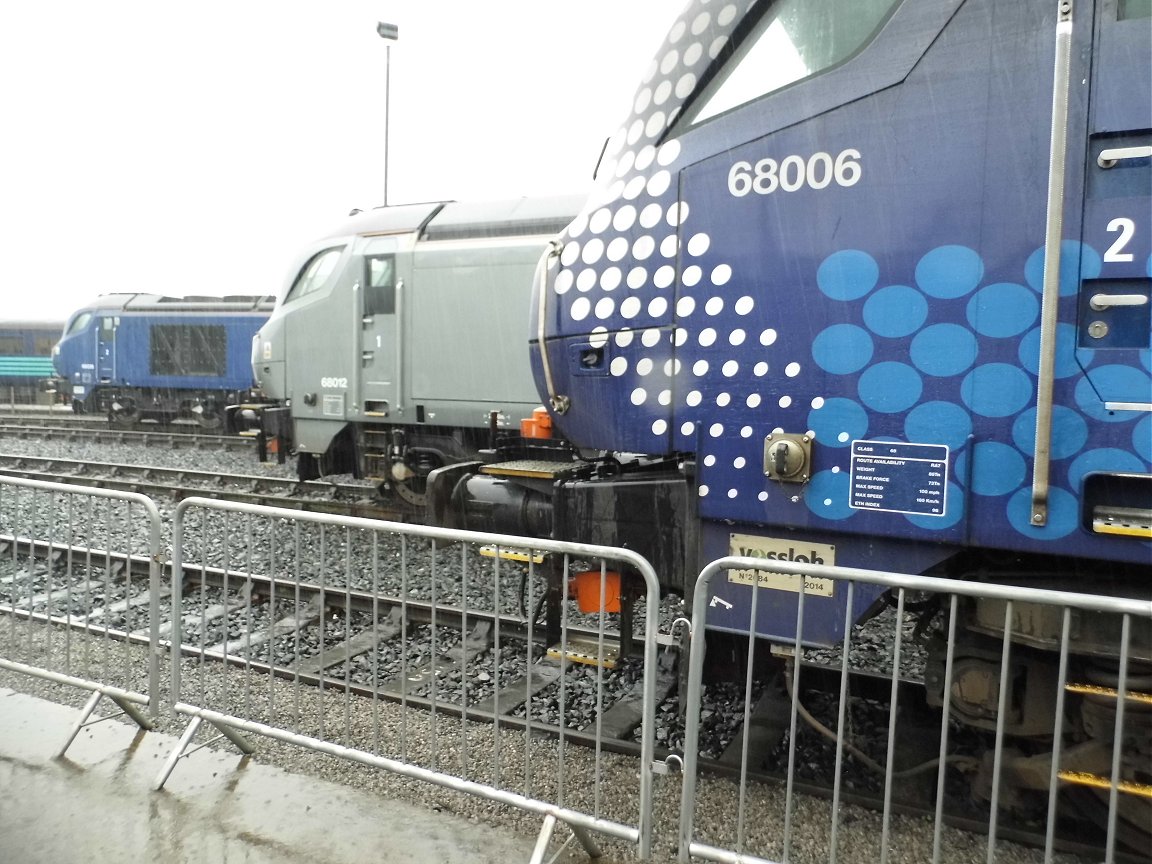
[{"x": 138, "y": 356}]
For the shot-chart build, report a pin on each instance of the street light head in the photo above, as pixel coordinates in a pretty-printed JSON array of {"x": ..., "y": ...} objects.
[{"x": 390, "y": 33}]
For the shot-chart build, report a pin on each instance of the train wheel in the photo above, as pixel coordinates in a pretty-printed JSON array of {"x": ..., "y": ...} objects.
[
  {"x": 411, "y": 491},
  {"x": 409, "y": 478},
  {"x": 307, "y": 466},
  {"x": 123, "y": 411},
  {"x": 208, "y": 416}
]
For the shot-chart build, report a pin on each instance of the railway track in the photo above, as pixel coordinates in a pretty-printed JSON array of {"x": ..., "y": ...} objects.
[
  {"x": 347, "y": 499},
  {"x": 169, "y": 436},
  {"x": 340, "y": 622}
]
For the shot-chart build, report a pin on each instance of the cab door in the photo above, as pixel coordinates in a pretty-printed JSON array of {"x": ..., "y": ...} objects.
[
  {"x": 106, "y": 348},
  {"x": 378, "y": 309},
  {"x": 1114, "y": 319}
]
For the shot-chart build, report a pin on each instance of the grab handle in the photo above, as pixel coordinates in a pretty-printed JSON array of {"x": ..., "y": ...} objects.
[
  {"x": 1100, "y": 302},
  {"x": 1108, "y": 158}
]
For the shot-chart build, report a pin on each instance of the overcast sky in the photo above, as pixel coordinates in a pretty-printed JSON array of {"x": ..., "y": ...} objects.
[{"x": 194, "y": 148}]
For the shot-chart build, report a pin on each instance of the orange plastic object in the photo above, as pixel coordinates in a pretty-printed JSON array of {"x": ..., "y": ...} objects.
[
  {"x": 586, "y": 587},
  {"x": 539, "y": 425}
]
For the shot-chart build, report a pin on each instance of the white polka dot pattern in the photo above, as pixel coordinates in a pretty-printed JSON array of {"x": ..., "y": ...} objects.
[{"x": 686, "y": 333}]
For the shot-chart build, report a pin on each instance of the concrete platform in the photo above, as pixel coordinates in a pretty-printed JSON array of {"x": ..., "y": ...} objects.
[{"x": 96, "y": 805}]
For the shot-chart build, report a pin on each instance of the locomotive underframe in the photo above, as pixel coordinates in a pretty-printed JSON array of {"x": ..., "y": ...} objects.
[
  {"x": 128, "y": 405},
  {"x": 609, "y": 503}
]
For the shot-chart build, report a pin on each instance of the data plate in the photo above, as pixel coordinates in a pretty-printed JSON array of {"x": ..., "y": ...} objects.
[{"x": 893, "y": 477}]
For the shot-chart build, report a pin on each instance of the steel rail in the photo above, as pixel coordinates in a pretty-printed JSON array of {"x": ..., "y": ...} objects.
[{"x": 173, "y": 438}]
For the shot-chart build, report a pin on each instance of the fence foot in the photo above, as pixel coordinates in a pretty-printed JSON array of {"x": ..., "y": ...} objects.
[
  {"x": 90, "y": 706},
  {"x": 236, "y": 738},
  {"x": 546, "y": 831},
  {"x": 181, "y": 749},
  {"x": 174, "y": 756}
]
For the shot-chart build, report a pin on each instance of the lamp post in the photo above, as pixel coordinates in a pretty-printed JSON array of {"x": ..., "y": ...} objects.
[{"x": 389, "y": 33}]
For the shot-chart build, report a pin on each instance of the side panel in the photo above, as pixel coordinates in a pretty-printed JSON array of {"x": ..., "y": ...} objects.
[
  {"x": 1114, "y": 304},
  {"x": 182, "y": 352},
  {"x": 467, "y": 311}
]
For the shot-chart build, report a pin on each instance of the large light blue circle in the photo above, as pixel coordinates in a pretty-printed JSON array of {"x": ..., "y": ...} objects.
[
  {"x": 997, "y": 469},
  {"x": 943, "y": 349},
  {"x": 1069, "y": 432},
  {"x": 842, "y": 349},
  {"x": 1063, "y": 514},
  {"x": 1107, "y": 459},
  {"x": 1071, "y": 251},
  {"x": 1066, "y": 352},
  {"x": 996, "y": 390},
  {"x": 1004, "y": 309},
  {"x": 1142, "y": 438},
  {"x": 1146, "y": 359},
  {"x": 895, "y": 311},
  {"x": 890, "y": 387},
  {"x": 1116, "y": 383},
  {"x": 838, "y": 422},
  {"x": 953, "y": 511},
  {"x": 948, "y": 272},
  {"x": 960, "y": 467},
  {"x": 827, "y": 495},
  {"x": 848, "y": 274},
  {"x": 938, "y": 423}
]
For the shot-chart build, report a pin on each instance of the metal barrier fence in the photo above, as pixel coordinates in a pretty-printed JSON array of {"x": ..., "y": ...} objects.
[
  {"x": 1043, "y": 642},
  {"x": 385, "y": 617},
  {"x": 80, "y": 560},
  {"x": 321, "y": 632}
]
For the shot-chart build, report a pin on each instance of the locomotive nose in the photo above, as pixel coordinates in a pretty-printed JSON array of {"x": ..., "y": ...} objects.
[
  {"x": 268, "y": 360},
  {"x": 270, "y": 379}
]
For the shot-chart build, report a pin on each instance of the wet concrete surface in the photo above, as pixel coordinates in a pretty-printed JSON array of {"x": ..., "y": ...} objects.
[{"x": 96, "y": 805}]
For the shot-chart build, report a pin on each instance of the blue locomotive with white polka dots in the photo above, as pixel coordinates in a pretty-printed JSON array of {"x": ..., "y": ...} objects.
[{"x": 857, "y": 294}]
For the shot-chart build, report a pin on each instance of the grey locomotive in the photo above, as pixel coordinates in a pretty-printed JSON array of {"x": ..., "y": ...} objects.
[{"x": 400, "y": 343}]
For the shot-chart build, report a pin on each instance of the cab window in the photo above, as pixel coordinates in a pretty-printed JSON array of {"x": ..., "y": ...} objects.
[
  {"x": 1130, "y": 9},
  {"x": 380, "y": 285},
  {"x": 316, "y": 273},
  {"x": 791, "y": 41},
  {"x": 80, "y": 322}
]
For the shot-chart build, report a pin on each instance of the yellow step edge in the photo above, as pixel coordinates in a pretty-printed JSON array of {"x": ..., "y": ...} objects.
[
  {"x": 1121, "y": 529},
  {"x": 582, "y": 651},
  {"x": 1128, "y": 787},
  {"x": 1109, "y": 692},
  {"x": 508, "y": 554},
  {"x": 516, "y": 472}
]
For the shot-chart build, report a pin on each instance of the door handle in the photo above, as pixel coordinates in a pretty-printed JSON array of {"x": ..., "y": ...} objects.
[
  {"x": 1100, "y": 302},
  {"x": 1108, "y": 158}
]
